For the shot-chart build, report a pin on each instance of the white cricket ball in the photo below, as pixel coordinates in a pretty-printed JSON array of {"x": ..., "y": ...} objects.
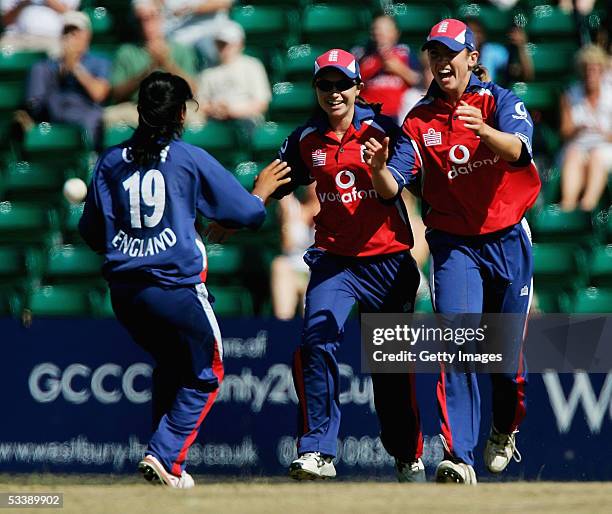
[{"x": 75, "y": 190}]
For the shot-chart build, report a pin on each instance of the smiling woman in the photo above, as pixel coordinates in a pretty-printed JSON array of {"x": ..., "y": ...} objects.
[
  {"x": 468, "y": 146},
  {"x": 336, "y": 95},
  {"x": 452, "y": 71},
  {"x": 361, "y": 255}
]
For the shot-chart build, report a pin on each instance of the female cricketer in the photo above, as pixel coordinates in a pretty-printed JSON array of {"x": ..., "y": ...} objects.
[
  {"x": 469, "y": 143},
  {"x": 361, "y": 255},
  {"x": 140, "y": 213}
]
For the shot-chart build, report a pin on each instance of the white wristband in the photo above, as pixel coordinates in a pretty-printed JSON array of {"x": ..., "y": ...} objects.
[{"x": 257, "y": 196}]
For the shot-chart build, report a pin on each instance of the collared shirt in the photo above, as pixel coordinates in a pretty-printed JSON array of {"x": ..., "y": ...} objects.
[
  {"x": 97, "y": 66},
  {"x": 352, "y": 221},
  {"x": 468, "y": 189},
  {"x": 238, "y": 83}
]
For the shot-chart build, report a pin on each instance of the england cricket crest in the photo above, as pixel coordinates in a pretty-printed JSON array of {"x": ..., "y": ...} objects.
[
  {"x": 319, "y": 157},
  {"x": 432, "y": 138}
]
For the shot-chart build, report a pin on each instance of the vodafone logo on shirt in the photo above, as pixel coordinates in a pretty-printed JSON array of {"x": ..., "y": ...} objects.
[
  {"x": 345, "y": 180},
  {"x": 460, "y": 155}
]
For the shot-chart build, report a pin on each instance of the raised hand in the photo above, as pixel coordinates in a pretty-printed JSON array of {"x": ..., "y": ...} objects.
[
  {"x": 159, "y": 52},
  {"x": 472, "y": 117},
  {"x": 71, "y": 55},
  {"x": 271, "y": 178},
  {"x": 376, "y": 154}
]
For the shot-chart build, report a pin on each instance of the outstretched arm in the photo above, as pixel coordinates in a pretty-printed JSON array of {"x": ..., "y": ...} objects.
[
  {"x": 271, "y": 178},
  {"x": 224, "y": 200}
]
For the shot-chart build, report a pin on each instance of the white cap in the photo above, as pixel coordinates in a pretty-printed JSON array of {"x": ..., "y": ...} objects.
[
  {"x": 230, "y": 32},
  {"x": 76, "y": 19}
]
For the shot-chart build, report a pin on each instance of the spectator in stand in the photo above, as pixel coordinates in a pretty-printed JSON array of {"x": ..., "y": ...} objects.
[
  {"x": 289, "y": 273},
  {"x": 388, "y": 69},
  {"x": 71, "y": 88},
  {"x": 34, "y": 24},
  {"x": 192, "y": 23},
  {"x": 135, "y": 62},
  {"x": 504, "y": 63},
  {"x": 415, "y": 94},
  {"x": 238, "y": 88},
  {"x": 586, "y": 126}
]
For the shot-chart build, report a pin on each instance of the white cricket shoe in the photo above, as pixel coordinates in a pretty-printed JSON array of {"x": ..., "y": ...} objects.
[
  {"x": 410, "y": 472},
  {"x": 500, "y": 449},
  {"x": 312, "y": 465},
  {"x": 455, "y": 473},
  {"x": 153, "y": 471}
]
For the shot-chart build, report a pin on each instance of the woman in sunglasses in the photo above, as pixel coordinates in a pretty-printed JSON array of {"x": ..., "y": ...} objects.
[
  {"x": 361, "y": 255},
  {"x": 469, "y": 144}
]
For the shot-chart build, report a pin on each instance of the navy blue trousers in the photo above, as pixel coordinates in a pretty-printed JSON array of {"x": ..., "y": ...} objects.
[
  {"x": 385, "y": 283},
  {"x": 178, "y": 328},
  {"x": 479, "y": 274}
]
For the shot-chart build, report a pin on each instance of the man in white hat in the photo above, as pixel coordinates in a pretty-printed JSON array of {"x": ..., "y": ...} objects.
[{"x": 238, "y": 88}]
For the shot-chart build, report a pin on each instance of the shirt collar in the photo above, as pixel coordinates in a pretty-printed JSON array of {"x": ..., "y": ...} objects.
[
  {"x": 435, "y": 91},
  {"x": 362, "y": 113}
]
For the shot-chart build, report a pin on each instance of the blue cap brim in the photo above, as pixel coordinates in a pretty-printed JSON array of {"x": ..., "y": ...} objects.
[
  {"x": 455, "y": 46},
  {"x": 341, "y": 69}
]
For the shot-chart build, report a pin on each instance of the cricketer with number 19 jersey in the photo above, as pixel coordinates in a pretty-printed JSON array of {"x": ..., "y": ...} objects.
[{"x": 143, "y": 218}]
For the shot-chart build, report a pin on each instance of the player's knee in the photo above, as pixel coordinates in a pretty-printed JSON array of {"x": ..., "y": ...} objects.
[
  {"x": 206, "y": 380},
  {"x": 320, "y": 338},
  {"x": 320, "y": 329}
]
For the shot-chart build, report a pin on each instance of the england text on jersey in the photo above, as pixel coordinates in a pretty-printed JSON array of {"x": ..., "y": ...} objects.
[{"x": 135, "y": 247}]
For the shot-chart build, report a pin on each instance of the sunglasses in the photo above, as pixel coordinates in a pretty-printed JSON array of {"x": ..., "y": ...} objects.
[{"x": 338, "y": 85}]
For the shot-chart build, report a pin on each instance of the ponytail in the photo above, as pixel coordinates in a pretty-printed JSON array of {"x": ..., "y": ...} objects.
[
  {"x": 161, "y": 107},
  {"x": 481, "y": 72},
  {"x": 376, "y": 107}
]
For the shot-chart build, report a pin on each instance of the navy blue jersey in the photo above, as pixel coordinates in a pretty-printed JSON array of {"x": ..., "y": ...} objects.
[{"x": 143, "y": 218}]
